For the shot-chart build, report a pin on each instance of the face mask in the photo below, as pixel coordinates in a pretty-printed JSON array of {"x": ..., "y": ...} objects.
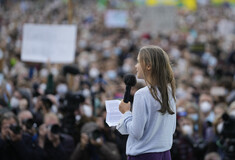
[
  {"x": 187, "y": 129},
  {"x": 14, "y": 102},
  {"x": 126, "y": 68},
  {"x": 232, "y": 113},
  {"x": 87, "y": 110},
  {"x": 9, "y": 88},
  {"x": 194, "y": 116},
  {"x": 180, "y": 109},
  {"x": 117, "y": 51},
  {"x": 44, "y": 73},
  {"x": 82, "y": 44},
  {"x": 94, "y": 72},
  {"x": 86, "y": 93},
  {"x": 42, "y": 87},
  {"x": 219, "y": 127},
  {"x": 106, "y": 44},
  {"x": 62, "y": 89},
  {"x": 198, "y": 79},
  {"x": 106, "y": 53},
  {"x": 54, "y": 71},
  {"x": 77, "y": 117},
  {"x": 205, "y": 107},
  {"x": 112, "y": 74}
]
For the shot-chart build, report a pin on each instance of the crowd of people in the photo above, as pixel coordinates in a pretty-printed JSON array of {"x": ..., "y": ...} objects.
[{"x": 57, "y": 111}]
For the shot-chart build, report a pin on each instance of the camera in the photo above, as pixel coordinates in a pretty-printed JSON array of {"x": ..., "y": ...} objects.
[
  {"x": 29, "y": 123},
  {"x": 55, "y": 129},
  {"x": 15, "y": 128},
  {"x": 71, "y": 101},
  {"x": 229, "y": 126},
  {"x": 96, "y": 134},
  {"x": 228, "y": 136}
]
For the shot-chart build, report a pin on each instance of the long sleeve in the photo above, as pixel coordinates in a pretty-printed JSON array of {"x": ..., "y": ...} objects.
[
  {"x": 134, "y": 122},
  {"x": 146, "y": 125}
]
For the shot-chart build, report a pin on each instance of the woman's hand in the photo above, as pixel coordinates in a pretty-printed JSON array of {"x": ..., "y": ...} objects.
[{"x": 123, "y": 107}]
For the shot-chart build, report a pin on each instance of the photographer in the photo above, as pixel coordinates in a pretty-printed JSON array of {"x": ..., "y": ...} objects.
[
  {"x": 58, "y": 146},
  {"x": 93, "y": 145},
  {"x": 26, "y": 122},
  {"x": 12, "y": 145},
  {"x": 183, "y": 146},
  {"x": 30, "y": 136}
]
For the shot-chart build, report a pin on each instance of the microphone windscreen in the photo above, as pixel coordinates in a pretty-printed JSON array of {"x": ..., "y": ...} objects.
[{"x": 130, "y": 80}]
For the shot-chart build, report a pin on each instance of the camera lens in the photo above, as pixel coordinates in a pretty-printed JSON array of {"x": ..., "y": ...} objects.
[
  {"x": 15, "y": 129},
  {"x": 55, "y": 129},
  {"x": 28, "y": 123}
]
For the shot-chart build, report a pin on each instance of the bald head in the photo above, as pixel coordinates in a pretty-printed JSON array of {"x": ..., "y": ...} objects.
[{"x": 25, "y": 115}]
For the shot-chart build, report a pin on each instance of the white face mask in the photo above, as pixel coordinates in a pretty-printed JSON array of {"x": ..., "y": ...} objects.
[
  {"x": 44, "y": 72},
  {"x": 14, "y": 102},
  {"x": 94, "y": 72},
  {"x": 220, "y": 127},
  {"x": 111, "y": 74},
  {"x": 198, "y": 79},
  {"x": 205, "y": 107},
  {"x": 77, "y": 118},
  {"x": 42, "y": 87},
  {"x": 62, "y": 89},
  {"x": 9, "y": 88},
  {"x": 232, "y": 113},
  {"x": 193, "y": 116},
  {"x": 126, "y": 68},
  {"x": 187, "y": 129},
  {"x": 86, "y": 93},
  {"x": 87, "y": 110},
  {"x": 54, "y": 71}
]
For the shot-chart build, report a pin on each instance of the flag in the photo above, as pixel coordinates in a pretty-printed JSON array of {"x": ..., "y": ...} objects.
[
  {"x": 102, "y": 4},
  {"x": 190, "y": 4},
  {"x": 151, "y": 2}
]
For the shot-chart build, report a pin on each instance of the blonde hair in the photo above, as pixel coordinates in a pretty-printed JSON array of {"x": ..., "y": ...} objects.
[{"x": 161, "y": 75}]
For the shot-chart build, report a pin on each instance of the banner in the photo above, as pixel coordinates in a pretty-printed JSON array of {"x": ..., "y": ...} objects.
[
  {"x": 158, "y": 19},
  {"x": 161, "y": 2},
  {"x": 49, "y": 42},
  {"x": 220, "y": 2},
  {"x": 116, "y": 19},
  {"x": 189, "y": 4}
]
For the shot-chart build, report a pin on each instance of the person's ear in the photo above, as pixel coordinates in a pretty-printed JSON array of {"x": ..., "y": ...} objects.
[{"x": 148, "y": 67}]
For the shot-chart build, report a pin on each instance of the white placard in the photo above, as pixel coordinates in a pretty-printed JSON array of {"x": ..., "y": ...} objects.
[
  {"x": 116, "y": 19},
  {"x": 55, "y": 43},
  {"x": 158, "y": 19}
]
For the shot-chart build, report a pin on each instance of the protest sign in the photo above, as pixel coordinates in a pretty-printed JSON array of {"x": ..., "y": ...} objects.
[
  {"x": 55, "y": 43},
  {"x": 158, "y": 19},
  {"x": 116, "y": 19}
]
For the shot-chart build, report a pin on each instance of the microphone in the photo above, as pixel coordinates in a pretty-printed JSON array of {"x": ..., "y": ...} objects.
[{"x": 130, "y": 81}]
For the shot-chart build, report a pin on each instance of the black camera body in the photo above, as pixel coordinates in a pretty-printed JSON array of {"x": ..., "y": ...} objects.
[
  {"x": 28, "y": 123},
  {"x": 95, "y": 134},
  {"x": 71, "y": 101},
  {"x": 228, "y": 136},
  {"x": 229, "y": 126},
  {"x": 15, "y": 128},
  {"x": 55, "y": 128}
]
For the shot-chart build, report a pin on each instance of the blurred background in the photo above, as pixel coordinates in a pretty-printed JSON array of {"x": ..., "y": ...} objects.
[{"x": 61, "y": 59}]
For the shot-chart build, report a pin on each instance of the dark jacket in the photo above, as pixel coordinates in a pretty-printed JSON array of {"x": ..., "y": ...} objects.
[
  {"x": 62, "y": 151},
  {"x": 25, "y": 149},
  {"x": 106, "y": 151}
]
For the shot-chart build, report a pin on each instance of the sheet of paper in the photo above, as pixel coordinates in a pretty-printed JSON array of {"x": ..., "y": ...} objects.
[{"x": 113, "y": 114}]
